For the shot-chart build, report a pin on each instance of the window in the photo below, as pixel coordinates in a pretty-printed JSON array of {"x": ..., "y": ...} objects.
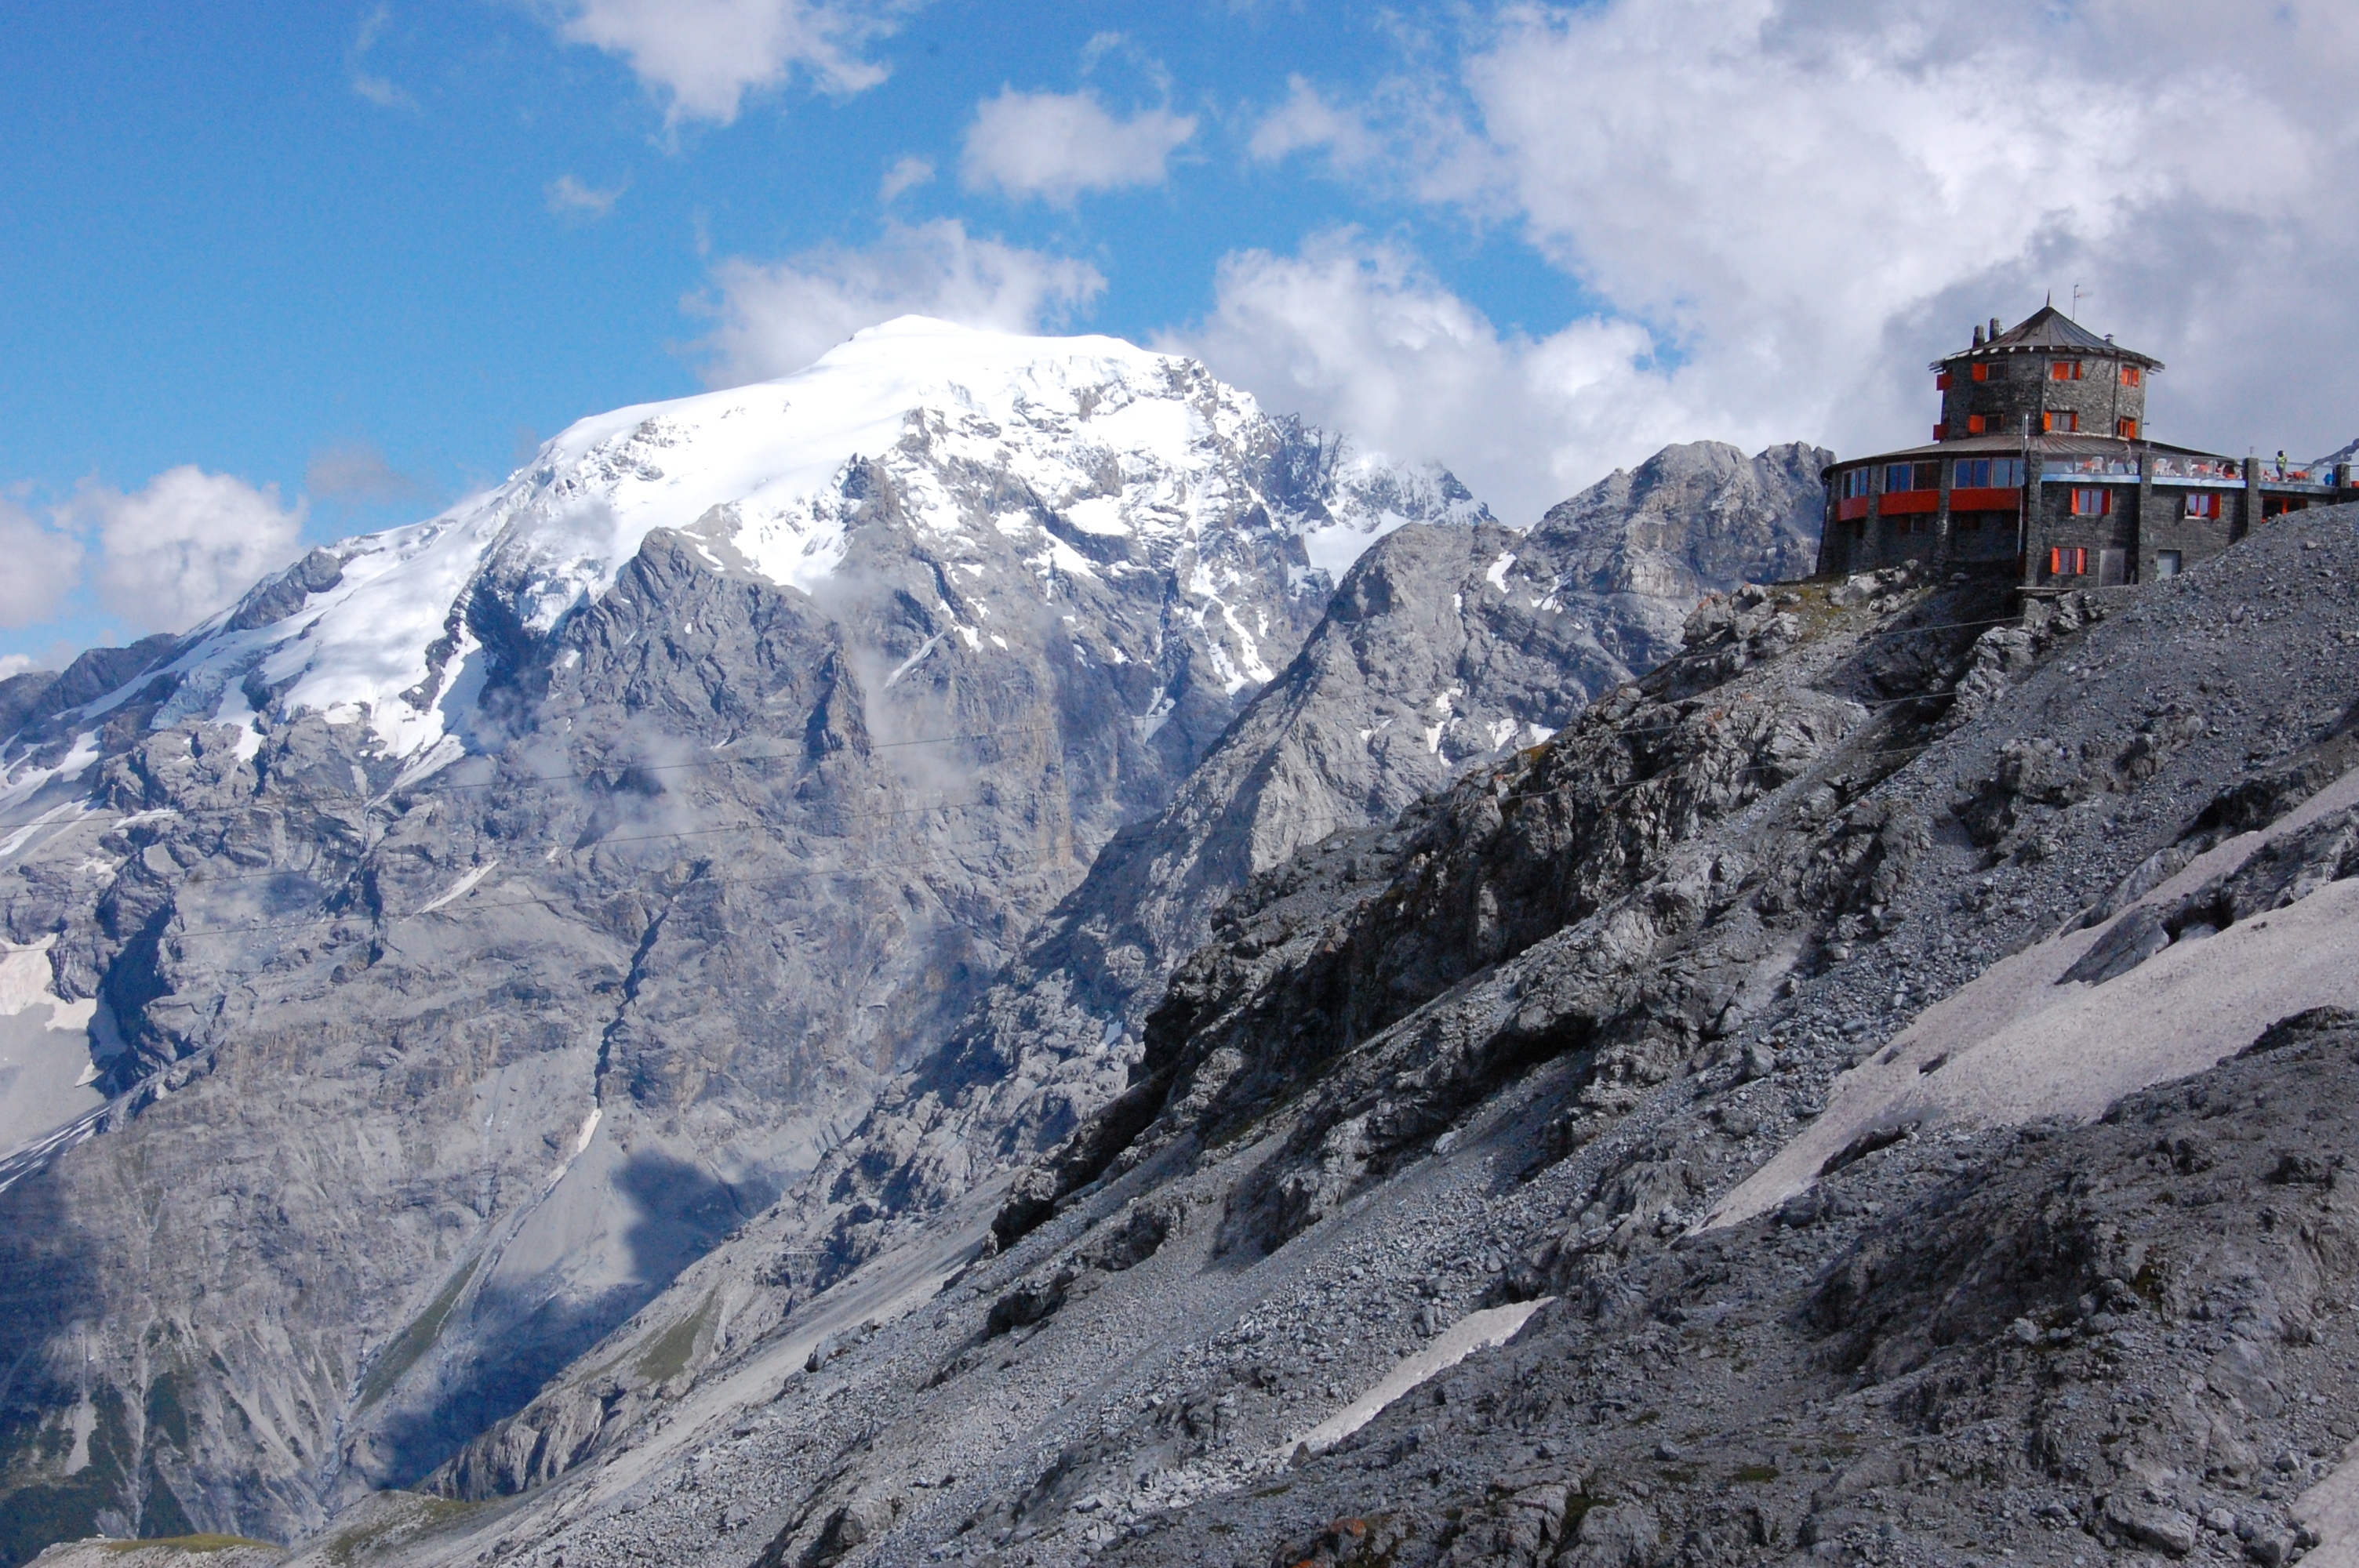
[
  {"x": 2064, "y": 370},
  {"x": 2132, "y": 375},
  {"x": 2166, "y": 563},
  {"x": 1987, "y": 473},
  {"x": 1911, "y": 476},
  {"x": 1982, "y": 369},
  {"x": 2059, "y": 421},
  {"x": 2204, "y": 503},
  {"x": 2070, "y": 561},
  {"x": 2096, "y": 501},
  {"x": 2126, "y": 428},
  {"x": 1857, "y": 482}
]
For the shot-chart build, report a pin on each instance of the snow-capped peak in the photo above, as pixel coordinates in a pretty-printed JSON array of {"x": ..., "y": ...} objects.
[{"x": 1113, "y": 439}]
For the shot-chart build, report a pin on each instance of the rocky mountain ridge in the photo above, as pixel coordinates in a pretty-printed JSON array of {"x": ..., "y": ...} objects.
[{"x": 480, "y": 922}]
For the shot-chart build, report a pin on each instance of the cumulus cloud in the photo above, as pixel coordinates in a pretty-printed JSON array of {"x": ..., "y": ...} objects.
[
  {"x": 356, "y": 470},
  {"x": 14, "y": 664},
  {"x": 1358, "y": 337},
  {"x": 906, "y": 174},
  {"x": 1783, "y": 209},
  {"x": 43, "y": 566},
  {"x": 186, "y": 546},
  {"x": 776, "y": 319},
  {"x": 703, "y": 55},
  {"x": 1058, "y": 146}
]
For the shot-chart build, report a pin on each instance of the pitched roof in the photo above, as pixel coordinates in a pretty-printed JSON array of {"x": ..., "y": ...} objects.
[{"x": 2048, "y": 329}]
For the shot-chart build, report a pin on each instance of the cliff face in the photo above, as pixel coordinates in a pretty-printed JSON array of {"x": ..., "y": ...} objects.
[{"x": 1866, "y": 1089}]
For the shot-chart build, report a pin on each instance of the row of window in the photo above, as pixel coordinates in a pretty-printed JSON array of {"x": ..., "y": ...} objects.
[
  {"x": 1986, "y": 474},
  {"x": 1966, "y": 473},
  {"x": 2077, "y": 370},
  {"x": 1998, "y": 473},
  {"x": 2058, "y": 370},
  {"x": 2053, "y": 422}
]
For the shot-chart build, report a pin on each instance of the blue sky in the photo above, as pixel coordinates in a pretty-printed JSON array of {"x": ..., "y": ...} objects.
[{"x": 369, "y": 255}]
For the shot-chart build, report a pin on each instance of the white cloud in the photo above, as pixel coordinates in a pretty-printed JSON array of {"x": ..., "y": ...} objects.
[
  {"x": 776, "y": 319},
  {"x": 1308, "y": 121},
  {"x": 569, "y": 198},
  {"x": 704, "y": 55},
  {"x": 1358, "y": 338},
  {"x": 186, "y": 546},
  {"x": 1057, "y": 146},
  {"x": 1814, "y": 196},
  {"x": 906, "y": 174},
  {"x": 14, "y": 664},
  {"x": 43, "y": 566},
  {"x": 381, "y": 92},
  {"x": 1783, "y": 209},
  {"x": 378, "y": 89}
]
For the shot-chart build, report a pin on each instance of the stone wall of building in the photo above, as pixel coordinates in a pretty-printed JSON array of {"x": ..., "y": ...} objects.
[{"x": 2017, "y": 384}]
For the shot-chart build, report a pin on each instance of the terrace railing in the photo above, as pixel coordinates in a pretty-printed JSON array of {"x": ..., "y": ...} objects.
[
  {"x": 2078, "y": 468},
  {"x": 2197, "y": 467}
]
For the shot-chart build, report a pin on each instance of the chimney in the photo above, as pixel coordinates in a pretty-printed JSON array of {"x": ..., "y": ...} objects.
[
  {"x": 1978, "y": 335},
  {"x": 1994, "y": 328}
]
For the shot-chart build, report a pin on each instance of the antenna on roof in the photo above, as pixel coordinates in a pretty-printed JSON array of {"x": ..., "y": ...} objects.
[{"x": 2076, "y": 294}]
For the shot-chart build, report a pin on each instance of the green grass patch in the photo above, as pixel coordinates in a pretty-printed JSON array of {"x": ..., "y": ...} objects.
[
  {"x": 1756, "y": 1474},
  {"x": 420, "y": 1514},
  {"x": 668, "y": 1358},
  {"x": 190, "y": 1543}
]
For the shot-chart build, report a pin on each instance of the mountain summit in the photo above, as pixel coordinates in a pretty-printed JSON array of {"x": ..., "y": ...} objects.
[{"x": 496, "y": 911}]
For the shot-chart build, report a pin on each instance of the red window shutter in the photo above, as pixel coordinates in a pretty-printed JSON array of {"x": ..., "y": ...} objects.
[
  {"x": 1941, "y": 382},
  {"x": 1982, "y": 372},
  {"x": 1974, "y": 424}
]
